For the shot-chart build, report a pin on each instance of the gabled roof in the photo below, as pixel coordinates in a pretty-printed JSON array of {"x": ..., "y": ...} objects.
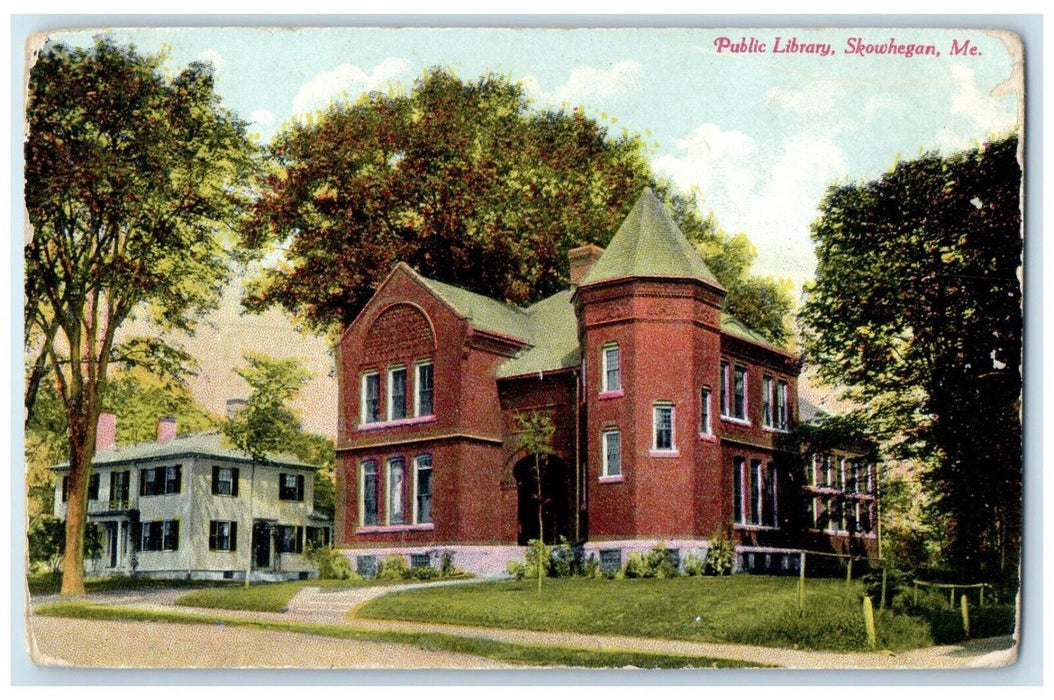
[
  {"x": 210, "y": 444},
  {"x": 649, "y": 244},
  {"x": 482, "y": 312},
  {"x": 554, "y": 338}
]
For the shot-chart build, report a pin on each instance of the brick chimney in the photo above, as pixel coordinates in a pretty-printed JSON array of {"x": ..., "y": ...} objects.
[
  {"x": 106, "y": 432},
  {"x": 166, "y": 429},
  {"x": 235, "y": 406},
  {"x": 581, "y": 259}
]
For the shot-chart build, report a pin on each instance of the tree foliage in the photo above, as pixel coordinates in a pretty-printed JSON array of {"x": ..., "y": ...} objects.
[
  {"x": 268, "y": 425},
  {"x": 466, "y": 183},
  {"x": 130, "y": 178},
  {"x": 917, "y": 309}
]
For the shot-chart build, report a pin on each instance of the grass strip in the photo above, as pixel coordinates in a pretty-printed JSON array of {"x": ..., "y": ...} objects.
[
  {"x": 741, "y": 609},
  {"x": 265, "y": 597},
  {"x": 509, "y": 652}
]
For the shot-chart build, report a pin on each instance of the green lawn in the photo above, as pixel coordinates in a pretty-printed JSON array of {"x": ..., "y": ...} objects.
[
  {"x": 263, "y": 597},
  {"x": 742, "y": 609},
  {"x": 520, "y": 654},
  {"x": 46, "y": 584}
]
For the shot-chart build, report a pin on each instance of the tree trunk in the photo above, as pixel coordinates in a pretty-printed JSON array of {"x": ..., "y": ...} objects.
[{"x": 82, "y": 446}]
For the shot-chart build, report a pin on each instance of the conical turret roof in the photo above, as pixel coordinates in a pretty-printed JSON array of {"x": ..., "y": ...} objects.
[{"x": 649, "y": 244}]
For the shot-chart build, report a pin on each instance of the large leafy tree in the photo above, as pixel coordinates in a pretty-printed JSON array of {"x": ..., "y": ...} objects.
[
  {"x": 131, "y": 179},
  {"x": 462, "y": 180},
  {"x": 268, "y": 425},
  {"x": 917, "y": 309}
]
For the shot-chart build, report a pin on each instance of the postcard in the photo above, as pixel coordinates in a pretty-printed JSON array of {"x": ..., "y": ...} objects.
[{"x": 496, "y": 348}]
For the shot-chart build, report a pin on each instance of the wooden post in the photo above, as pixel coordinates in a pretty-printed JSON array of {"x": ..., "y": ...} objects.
[
  {"x": 916, "y": 598},
  {"x": 981, "y": 602},
  {"x": 869, "y": 622},
  {"x": 951, "y": 598},
  {"x": 966, "y": 616},
  {"x": 801, "y": 584},
  {"x": 882, "y": 600},
  {"x": 848, "y": 571}
]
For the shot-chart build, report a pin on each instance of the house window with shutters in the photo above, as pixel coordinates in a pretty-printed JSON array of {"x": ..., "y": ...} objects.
[
  {"x": 289, "y": 539},
  {"x": 119, "y": 481},
  {"x": 290, "y": 487},
  {"x": 223, "y": 535},
  {"x": 224, "y": 481},
  {"x": 159, "y": 536},
  {"x": 159, "y": 481}
]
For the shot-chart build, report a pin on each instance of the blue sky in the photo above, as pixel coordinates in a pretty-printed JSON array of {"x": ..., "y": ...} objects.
[{"x": 761, "y": 135}]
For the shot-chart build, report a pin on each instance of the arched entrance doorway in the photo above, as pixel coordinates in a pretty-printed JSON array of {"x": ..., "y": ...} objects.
[{"x": 557, "y": 498}]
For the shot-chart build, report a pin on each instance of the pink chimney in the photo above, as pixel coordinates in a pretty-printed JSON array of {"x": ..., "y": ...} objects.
[
  {"x": 166, "y": 429},
  {"x": 106, "y": 432}
]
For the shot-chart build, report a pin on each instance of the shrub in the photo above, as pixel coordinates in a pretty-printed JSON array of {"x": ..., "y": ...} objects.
[
  {"x": 330, "y": 563},
  {"x": 516, "y": 570},
  {"x": 446, "y": 566},
  {"x": 661, "y": 563},
  {"x": 722, "y": 551},
  {"x": 538, "y": 554},
  {"x": 393, "y": 568},
  {"x": 693, "y": 564},
  {"x": 563, "y": 563},
  {"x": 591, "y": 567},
  {"x": 422, "y": 573},
  {"x": 636, "y": 566}
]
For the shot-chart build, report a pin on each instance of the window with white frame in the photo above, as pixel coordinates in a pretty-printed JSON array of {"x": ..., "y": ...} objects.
[
  {"x": 706, "y": 422},
  {"x": 369, "y": 487},
  {"x": 766, "y": 402},
  {"x": 396, "y": 393},
  {"x": 662, "y": 427},
  {"x": 739, "y": 392},
  {"x": 423, "y": 489},
  {"x": 612, "y": 369},
  {"x": 371, "y": 397},
  {"x": 612, "y": 453},
  {"x": 223, "y": 535},
  {"x": 770, "y": 508},
  {"x": 424, "y": 403},
  {"x": 782, "y": 409},
  {"x": 725, "y": 404},
  {"x": 396, "y": 485},
  {"x": 738, "y": 469},
  {"x": 757, "y": 492}
]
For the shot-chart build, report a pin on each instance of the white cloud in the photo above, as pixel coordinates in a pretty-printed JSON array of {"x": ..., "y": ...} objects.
[
  {"x": 817, "y": 99},
  {"x": 588, "y": 85},
  {"x": 721, "y": 164},
  {"x": 262, "y": 117},
  {"x": 770, "y": 196},
  {"x": 347, "y": 80},
  {"x": 982, "y": 114},
  {"x": 985, "y": 112},
  {"x": 212, "y": 56}
]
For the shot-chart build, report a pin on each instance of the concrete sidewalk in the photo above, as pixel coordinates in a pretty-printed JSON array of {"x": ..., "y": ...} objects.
[{"x": 331, "y": 606}]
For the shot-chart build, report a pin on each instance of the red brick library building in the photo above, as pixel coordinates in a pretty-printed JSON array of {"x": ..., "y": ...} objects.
[{"x": 672, "y": 419}]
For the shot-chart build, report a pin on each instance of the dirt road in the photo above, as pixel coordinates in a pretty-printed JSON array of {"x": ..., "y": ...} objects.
[{"x": 70, "y": 642}]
